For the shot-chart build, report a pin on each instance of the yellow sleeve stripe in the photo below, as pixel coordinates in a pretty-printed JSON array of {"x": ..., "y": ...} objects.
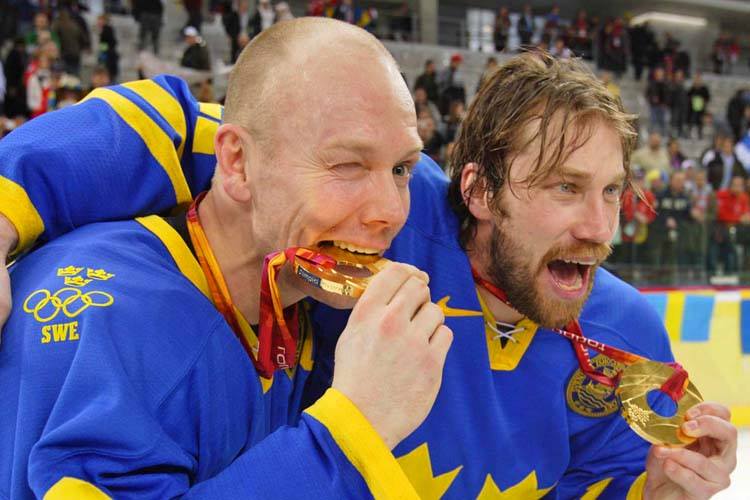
[
  {"x": 211, "y": 109},
  {"x": 364, "y": 448},
  {"x": 636, "y": 489},
  {"x": 18, "y": 208},
  {"x": 71, "y": 487},
  {"x": 203, "y": 139},
  {"x": 166, "y": 105},
  {"x": 178, "y": 250},
  {"x": 157, "y": 141}
]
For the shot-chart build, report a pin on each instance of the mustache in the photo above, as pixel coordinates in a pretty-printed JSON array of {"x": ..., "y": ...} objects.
[{"x": 582, "y": 251}]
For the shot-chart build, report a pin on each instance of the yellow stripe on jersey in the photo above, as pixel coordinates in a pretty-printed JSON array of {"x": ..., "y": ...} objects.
[
  {"x": 179, "y": 251},
  {"x": 636, "y": 489},
  {"x": 364, "y": 448},
  {"x": 165, "y": 104},
  {"x": 595, "y": 490},
  {"x": 211, "y": 109},
  {"x": 71, "y": 487},
  {"x": 18, "y": 208},
  {"x": 203, "y": 137},
  {"x": 158, "y": 142}
]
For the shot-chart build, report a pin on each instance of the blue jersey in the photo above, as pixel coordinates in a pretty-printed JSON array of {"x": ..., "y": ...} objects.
[
  {"x": 121, "y": 377},
  {"x": 515, "y": 418}
]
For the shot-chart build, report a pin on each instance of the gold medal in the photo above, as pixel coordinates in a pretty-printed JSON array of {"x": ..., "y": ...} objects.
[
  {"x": 339, "y": 282},
  {"x": 640, "y": 378}
]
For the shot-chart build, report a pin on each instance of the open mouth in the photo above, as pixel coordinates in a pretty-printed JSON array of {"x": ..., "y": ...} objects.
[{"x": 571, "y": 276}]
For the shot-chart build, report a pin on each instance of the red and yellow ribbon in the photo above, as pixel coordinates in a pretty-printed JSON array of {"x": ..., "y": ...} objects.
[{"x": 674, "y": 387}]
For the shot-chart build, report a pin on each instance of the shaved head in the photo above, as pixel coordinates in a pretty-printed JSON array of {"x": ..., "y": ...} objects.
[{"x": 293, "y": 62}]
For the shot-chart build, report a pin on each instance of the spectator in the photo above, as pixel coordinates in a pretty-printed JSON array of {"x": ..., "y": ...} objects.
[
  {"x": 736, "y": 112},
  {"x": 421, "y": 102},
  {"x": 732, "y": 215},
  {"x": 432, "y": 139},
  {"x": 194, "y": 10},
  {"x": 552, "y": 22},
  {"x": 148, "y": 13},
  {"x": 453, "y": 120},
  {"x": 236, "y": 22},
  {"x": 581, "y": 42},
  {"x": 613, "y": 47},
  {"x": 637, "y": 214},
  {"x": 41, "y": 25},
  {"x": 400, "y": 23},
  {"x": 652, "y": 156},
  {"x": 678, "y": 103},
  {"x": 722, "y": 163},
  {"x": 676, "y": 158},
  {"x": 15, "y": 90},
  {"x": 641, "y": 43},
  {"x": 698, "y": 98},
  {"x": 450, "y": 84},
  {"x": 703, "y": 202},
  {"x": 525, "y": 26},
  {"x": 657, "y": 97},
  {"x": 68, "y": 91},
  {"x": 673, "y": 215},
  {"x": 560, "y": 51},
  {"x": 346, "y": 11},
  {"x": 264, "y": 16},
  {"x": 108, "y": 55},
  {"x": 72, "y": 41},
  {"x": 502, "y": 29},
  {"x": 742, "y": 150},
  {"x": 489, "y": 67},
  {"x": 428, "y": 81},
  {"x": 196, "y": 54},
  {"x": 40, "y": 83}
]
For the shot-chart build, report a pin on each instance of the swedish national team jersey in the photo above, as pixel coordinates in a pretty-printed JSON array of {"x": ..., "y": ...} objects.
[
  {"x": 513, "y": 419},
  {"x": 121, "y": 378}
]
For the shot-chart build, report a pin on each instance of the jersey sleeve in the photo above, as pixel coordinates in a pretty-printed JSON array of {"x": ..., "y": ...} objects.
[{"x": 127, "y": 150}]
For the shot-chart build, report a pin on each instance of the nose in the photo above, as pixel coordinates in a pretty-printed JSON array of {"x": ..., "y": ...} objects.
[
  {"x": 387, "y": 205},
  {"x": 597, "y": 220}
]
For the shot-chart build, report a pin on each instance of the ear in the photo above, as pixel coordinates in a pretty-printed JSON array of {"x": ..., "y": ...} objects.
[
  {"x": 232, "y": 154},
  {"x": 474, "y": 193}
]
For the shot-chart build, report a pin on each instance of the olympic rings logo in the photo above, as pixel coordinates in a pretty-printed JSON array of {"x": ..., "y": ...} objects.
[{"x": 45, "y": 306}]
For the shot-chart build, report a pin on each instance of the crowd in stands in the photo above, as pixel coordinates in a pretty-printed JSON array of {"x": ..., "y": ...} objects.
[
  {"x": 41, "y": 68},
  {"x": 693, "y": 212}
]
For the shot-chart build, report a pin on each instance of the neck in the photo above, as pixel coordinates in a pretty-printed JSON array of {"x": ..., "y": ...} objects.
[
  {"x": 499, "y": 309},
  {"x": 229, "y": 230}
]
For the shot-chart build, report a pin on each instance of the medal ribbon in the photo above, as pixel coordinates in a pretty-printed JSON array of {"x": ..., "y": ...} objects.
[
  {"x": 674, "y": 387},
  {"x": 278, "y": 330}
]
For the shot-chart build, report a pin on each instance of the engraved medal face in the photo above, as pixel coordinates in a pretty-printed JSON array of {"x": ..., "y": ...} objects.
[
  {"x": 590, "y": 398},
  {"x": 340, "y": 282},
  {"x": 636, "y": 382}
]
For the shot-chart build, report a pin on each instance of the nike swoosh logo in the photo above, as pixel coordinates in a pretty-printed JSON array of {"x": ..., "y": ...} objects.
[{"x": 451, "y": 312}]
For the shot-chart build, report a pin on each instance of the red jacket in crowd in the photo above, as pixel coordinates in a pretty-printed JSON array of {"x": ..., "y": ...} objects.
[
  {"x": 730, "y": 207},
  {"x": 632, "y": 205}
]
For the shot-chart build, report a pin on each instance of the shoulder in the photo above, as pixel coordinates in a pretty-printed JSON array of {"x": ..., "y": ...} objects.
[
  {"x": 114, "y": 276},
  {"x": 623, "y": 311}
]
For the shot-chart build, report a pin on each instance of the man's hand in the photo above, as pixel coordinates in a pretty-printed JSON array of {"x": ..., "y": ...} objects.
[
  {"x": 701, "y": 469},
  {"x": 8, "y": 240},
  {"x": 389, "y": 359}
]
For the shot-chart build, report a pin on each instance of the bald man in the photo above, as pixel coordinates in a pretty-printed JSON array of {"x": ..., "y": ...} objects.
[{"x": 129, "y": 363}]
